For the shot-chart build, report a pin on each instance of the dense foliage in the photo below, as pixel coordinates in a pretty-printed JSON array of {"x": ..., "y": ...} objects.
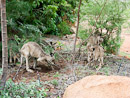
[
  {"x": 40, "y": 16},
  {"x": 109, "y": 23},
  {"x": 29, "y": 20}
]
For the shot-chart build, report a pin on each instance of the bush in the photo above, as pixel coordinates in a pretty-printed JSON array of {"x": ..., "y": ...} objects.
[
  {"x": 108, "y": 25},
  {"x": 41, "y": 16},
  {"x": 22, "y": 90},
  {"x": 29, "y": 20},
  {"x": 64, "y": 28}
]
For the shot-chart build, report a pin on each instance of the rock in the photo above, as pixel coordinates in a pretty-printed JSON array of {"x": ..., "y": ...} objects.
[{"x": 99, "y": 86}]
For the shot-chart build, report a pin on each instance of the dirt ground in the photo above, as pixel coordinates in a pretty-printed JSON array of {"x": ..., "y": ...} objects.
[
  {"x": 125, "y": 47},
  {"x": 56, "y": 81}
]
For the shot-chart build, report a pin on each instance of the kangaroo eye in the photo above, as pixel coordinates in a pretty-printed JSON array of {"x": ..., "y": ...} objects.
[{"x": 93, "y": 49}]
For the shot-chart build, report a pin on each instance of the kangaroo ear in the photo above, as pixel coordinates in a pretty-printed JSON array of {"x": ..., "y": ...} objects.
[{"x": 51, "y": 43}]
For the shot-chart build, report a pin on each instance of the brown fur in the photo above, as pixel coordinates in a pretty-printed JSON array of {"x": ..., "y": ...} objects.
[
  {"x": 34, "y": 50},
  {"x": 95, "y": 51},
  {"x": 16, "y": 57},
  {"x": 98, "y": 54},
  {"x": 92, "y": 41}
]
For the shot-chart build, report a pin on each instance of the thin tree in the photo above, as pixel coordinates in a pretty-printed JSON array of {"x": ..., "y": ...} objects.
[
  {"x": 77, "y": 26},
  {"x": 4, "y": 44}
]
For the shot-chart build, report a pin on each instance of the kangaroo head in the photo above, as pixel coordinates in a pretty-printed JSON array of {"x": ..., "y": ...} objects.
[
  {"x": 46, "y": 58},
  {"x": 41, "y": 59},
  {"x": 50, "y": 59}
]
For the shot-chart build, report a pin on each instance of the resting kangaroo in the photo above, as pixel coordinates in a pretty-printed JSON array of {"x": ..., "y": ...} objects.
[{"x": 34, "y": 50}]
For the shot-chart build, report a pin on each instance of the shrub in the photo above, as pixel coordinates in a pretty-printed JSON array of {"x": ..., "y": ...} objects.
[
  {"x": 29, "y": 20},
  {"x": 109, "y": 23},
  {"x": 23, "y": 90},
  {"x": 64, "y": 28},
  {"x": 41, "y": 16}
]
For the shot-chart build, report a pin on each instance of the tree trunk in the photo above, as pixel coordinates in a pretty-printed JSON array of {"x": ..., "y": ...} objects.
[
  {"x": 76, "y": 35},
  {"x": 4, "y": 44},
  {"x": 77, "y": 27}
]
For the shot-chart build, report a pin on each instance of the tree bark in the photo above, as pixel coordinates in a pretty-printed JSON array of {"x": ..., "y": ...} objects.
[{"x": 4, "y": 44}]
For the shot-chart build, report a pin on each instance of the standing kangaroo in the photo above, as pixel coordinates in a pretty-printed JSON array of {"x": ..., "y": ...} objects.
[
  {"x": 98, "y": 54},
  {"x": 34, "y": 50}
]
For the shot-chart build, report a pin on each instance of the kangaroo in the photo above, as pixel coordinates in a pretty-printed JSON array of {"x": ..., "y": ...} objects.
[
  {"x": 98, "y": 54},
  {"x": 14, "y": 57},
  {"x": 34, "y": 50},
  {"x": 92, "y": 41},
  {"x": 95, "y": 40}
]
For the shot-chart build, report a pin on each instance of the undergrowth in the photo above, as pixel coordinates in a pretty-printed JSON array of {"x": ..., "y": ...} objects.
[{"x": 23, "y": 90}]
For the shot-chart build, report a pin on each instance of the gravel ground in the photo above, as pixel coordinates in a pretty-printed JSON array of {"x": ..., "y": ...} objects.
[
  {"x": 113, "y": 66},
  {"x": 58, "y": 80}
]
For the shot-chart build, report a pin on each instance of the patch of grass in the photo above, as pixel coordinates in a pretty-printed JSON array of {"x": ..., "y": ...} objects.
[
  {"x": 105, "y": 70},
  {"x": 56, "y": 75},
  {"x": 92, "y": 72},
  {"x": 54, "y": 82},
  {"x": 125, "y": 54}
]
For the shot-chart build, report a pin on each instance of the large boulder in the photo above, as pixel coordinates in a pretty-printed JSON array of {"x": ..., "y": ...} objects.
[{"x": 98, "y": 86}]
